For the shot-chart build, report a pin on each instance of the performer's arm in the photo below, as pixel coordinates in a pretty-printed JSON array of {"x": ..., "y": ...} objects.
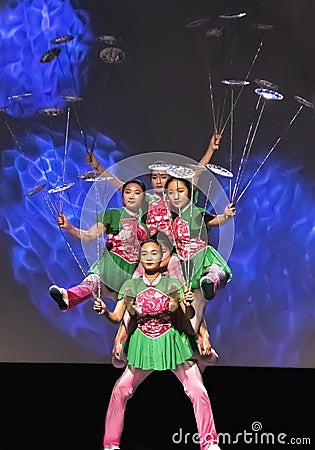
[
  {"x": 186, "y": 304},
  {"x": 114, "y": 317},
  {"x": 120, "y": 338},
  {"x": 92, "y": 161},
  {"x": 222, "y": 219},
  {"x": 212, "y": 147},
  {"x": 96, "y": 230},
  {"x": 204, "y": 339}
]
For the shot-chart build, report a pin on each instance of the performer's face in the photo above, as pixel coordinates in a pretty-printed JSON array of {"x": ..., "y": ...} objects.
[
  {"x": 158, "y": 180},
  {"x": 132, "y": 196},
  {"x": 166, "y": 254},
  {"x": 150, "y": 257},
  {"x": 178, "y": 193}
]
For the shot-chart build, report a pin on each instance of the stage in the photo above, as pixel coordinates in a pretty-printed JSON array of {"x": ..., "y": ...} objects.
[{"x": 62, "y": 407}]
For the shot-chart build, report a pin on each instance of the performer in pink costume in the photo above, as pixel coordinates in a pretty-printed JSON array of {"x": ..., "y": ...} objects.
[{"x": 156, "y": 344}]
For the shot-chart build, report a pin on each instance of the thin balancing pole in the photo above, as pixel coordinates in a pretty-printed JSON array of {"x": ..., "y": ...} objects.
[
  {"x": 189, "y": 275},
  {"x": 53, "y": 211},
  {"x": 231, "y": 144},
  {"x": 249, "y": 147},
  {"x": 242, "y": 87},
  {"x": 215, "y": 125},
  {"x": 82, "y": 132},
  {"x": 171, "y": 229},
  {"x": 71, "y": 69},
  {"x": 268, "y": 154},
  {"x": 107, "y": 78},
  {"x": 202, "y": 220},
  {"x": 28, "y": 128},
  {"x": 244, "y": 152},
  {"x": 65, "y": 153}
]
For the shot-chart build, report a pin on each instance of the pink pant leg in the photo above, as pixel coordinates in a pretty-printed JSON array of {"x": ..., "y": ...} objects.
[
  {"x": 81, "y": 292},
  {"x": 123, "y": 390},
  {"x": 90, "y": 286},
  {"x": 189, "y": 375}
]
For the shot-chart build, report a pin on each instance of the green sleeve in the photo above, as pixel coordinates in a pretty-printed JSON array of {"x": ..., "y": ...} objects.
[
  {"x": 111, "y": 218},
  {"x": 129, "y": 284},
  {"x": 149, "y": 198},
  {"x": 175, "y": 283}
]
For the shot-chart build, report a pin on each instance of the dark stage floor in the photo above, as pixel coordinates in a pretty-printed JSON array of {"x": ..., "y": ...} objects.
[{"x": 62, "y": 407}]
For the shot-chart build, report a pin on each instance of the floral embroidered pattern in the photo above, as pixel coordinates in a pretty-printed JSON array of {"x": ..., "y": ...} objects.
[
  {"x": 186, "y": 246},
  {"x": 159, "y": 217},
  {"x": 153, "y": 305},
  {"x": 126, "y": 243}
]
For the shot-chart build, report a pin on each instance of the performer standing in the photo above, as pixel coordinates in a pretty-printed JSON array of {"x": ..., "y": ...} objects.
[
  {"x": 170, "y": 265},
  {"x": 156, "y": 344}
]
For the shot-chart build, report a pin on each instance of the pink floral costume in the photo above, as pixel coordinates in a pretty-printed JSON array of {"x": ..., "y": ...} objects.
[{"x": 117, "y": 263}]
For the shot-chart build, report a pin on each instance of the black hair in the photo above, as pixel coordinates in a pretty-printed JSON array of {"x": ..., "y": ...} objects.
[
  {"x": 186, "y": 182},
  {"x": 162, "y": 238},
  {"x": 135, "y": 181}
]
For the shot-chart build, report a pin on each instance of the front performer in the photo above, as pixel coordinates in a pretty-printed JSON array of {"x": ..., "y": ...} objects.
[{"x": 155, "y": 302}]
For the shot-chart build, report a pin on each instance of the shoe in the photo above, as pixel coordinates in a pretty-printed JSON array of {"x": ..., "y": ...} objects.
[
  {"x": 206, "y": 361},
  {"x": 208, "y": 288},
  {"x": 111, "y": 447},
  {"x": 213, "y": 447},
  {"x": 210, "y": 360},
  {"x": 119, "y": 363},
  {"x": 60, "y": 296}
]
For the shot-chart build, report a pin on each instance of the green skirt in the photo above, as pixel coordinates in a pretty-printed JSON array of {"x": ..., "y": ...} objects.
[
  {"x": 199, "y": 263},
  {"x": 162, "y": 353},
  {"x": 113, "y": 270}
]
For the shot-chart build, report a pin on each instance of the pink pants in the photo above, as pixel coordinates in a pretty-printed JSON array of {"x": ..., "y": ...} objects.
[
  {"x": 90, "y": 286},
  {"x": 188, "y": 374}
]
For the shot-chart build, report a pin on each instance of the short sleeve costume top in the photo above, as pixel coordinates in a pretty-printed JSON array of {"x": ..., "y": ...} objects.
[
  {"x": 156, "y": 344},
  {"x": 124, "y": 232},
  {"x": 191, "y": 236},
  {"x": 158, "y": 216}
]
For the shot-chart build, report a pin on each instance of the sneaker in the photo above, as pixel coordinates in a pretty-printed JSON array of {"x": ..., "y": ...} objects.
[
  {"x": 60, "y": 296},
  {"x": 208, "y": 288},
  {"x": 111, "y": 447},
  {"x": 213, "y": 447}
]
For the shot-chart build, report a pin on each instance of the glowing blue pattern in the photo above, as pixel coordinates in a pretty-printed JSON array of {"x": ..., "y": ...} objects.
[
  {"x": 41, "y": 254},
  {"x": 26, "y": 31},
  {"x": 265, "y": 315}
]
